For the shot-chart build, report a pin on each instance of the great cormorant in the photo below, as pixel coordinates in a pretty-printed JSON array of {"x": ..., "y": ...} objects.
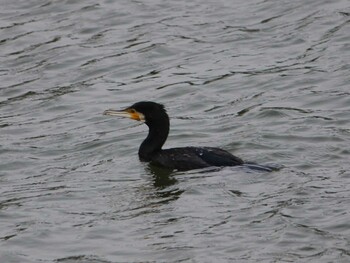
[{"x": 156, "y": 118}]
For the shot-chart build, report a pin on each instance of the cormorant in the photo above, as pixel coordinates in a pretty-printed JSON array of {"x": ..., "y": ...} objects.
[{"x": 156, "y": 118}]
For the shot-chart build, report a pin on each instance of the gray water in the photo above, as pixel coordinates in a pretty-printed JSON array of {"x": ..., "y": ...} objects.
[{"x": 266, "y": 80}]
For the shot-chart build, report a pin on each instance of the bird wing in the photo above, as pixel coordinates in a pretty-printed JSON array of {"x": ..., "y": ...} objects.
[
  {"x": 188, "y": 158},
  {"x": 218, "y": 157},
  {"x": 180, "y": 159}
]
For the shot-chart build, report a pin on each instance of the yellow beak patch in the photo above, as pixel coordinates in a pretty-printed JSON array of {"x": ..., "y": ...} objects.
[{"x": 127, "y": 113}]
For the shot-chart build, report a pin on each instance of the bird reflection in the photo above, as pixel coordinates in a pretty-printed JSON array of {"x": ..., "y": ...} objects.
[
  {"x": 163, "y": 177},
  {"x": 163, "y": 182}
]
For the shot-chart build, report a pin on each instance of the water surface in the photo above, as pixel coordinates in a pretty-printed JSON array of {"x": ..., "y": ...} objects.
[{"x": 265, "y": 80}]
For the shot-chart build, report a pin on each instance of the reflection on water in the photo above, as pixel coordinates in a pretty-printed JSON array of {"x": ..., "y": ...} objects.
[
  {"x": 162, "y": 177},
  {"x": 264, "y": 80}
]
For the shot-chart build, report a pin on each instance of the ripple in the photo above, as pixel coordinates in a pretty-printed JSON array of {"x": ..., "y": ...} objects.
[{"x": 264, "y": 81}]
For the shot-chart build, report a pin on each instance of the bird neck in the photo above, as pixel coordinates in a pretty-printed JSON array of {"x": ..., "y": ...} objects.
[{"x": 157, "y": 135}]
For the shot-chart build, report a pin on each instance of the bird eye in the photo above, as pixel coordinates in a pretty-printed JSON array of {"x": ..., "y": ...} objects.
[{"x": 132, "y": 111}]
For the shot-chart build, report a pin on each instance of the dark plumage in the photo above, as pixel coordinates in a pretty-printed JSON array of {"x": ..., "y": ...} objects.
[{"x": 185, "y": 158}]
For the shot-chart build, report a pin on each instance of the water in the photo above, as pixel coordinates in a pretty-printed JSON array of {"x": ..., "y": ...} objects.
[{"x": 265, "y": 80}]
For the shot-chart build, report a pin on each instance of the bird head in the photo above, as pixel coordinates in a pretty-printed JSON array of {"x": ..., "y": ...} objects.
[{"x": 145, "y": 111}]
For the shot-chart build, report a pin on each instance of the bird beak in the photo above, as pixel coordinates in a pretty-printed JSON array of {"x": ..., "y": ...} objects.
[{"x": 127, "y": 113}]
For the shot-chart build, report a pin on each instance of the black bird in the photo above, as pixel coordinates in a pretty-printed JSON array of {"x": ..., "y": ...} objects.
[{"x": 185, "y": 158}]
